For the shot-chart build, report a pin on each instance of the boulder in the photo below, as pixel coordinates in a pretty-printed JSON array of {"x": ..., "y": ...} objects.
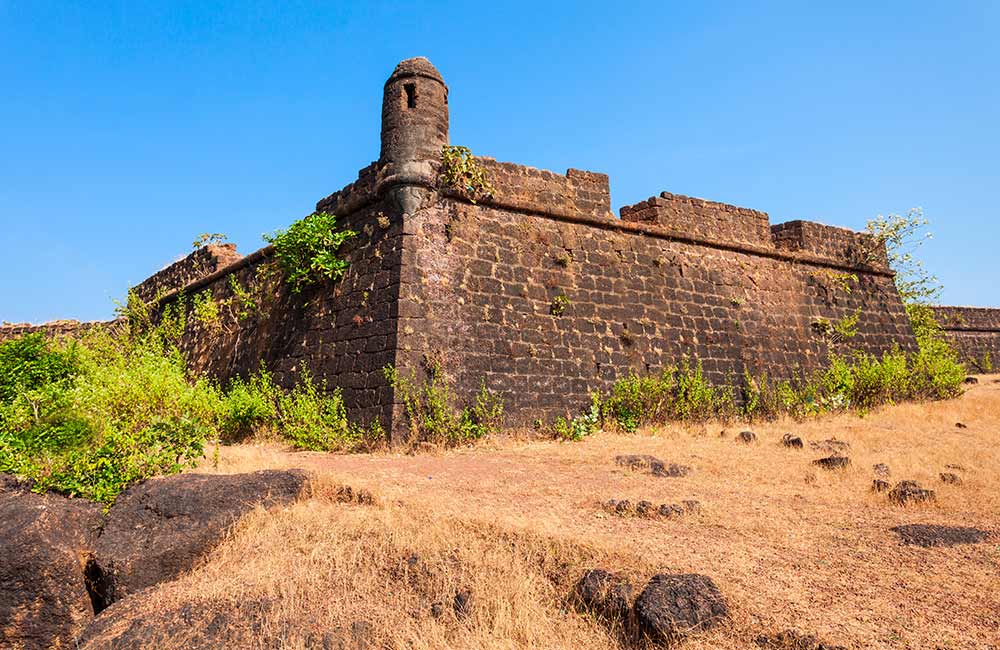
[
  {"x": 673, "y": 606},
  {"x": 44, "y": 547},
  {"x": 605, "y": 595},
  {"x": 160, "y": 528}
]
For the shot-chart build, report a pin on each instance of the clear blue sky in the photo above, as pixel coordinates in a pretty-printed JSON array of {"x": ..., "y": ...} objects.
[{"x": 128, "y": 128}]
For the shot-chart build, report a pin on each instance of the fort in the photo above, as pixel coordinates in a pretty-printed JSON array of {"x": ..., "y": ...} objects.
[{"x": 536, "y": 288}]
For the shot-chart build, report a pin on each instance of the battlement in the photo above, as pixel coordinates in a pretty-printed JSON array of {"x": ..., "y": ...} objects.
[
  {"x": 830, "y": 242},
  {"x": 694, "y": 217},
  {"x": 578, "y": 193},
  {"x": 199, "y": 264},
  {"x": 969, "y": 319}
]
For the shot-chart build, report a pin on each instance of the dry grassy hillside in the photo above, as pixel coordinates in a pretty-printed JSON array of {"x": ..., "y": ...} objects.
[{"x": 515, "y": 523}]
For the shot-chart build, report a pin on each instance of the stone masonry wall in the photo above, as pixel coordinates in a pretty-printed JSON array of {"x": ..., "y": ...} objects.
[
  {"x": 199, "y": 264},
  {"x": 57, "y": 328},
  {"x": 480, "y": 285},
  {"x": 342, "y": 333},
  {"x": 975, "y": 333},
  {"x": 694, "y": 217}
]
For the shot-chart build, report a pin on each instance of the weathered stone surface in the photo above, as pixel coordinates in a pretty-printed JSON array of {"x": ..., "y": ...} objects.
[
  {"x": 654, "y": 465},
  {"x": 793, "y": 640},
  {"x": 907, "y": 492},
  {"x": 975, "y": 333},
  {"x": 831, "y": 445},
  {"x": 159, "y": 528},
  {"x": 789, "y": 440},
  {"x": 833, "y": 462},
  {"x": 605, "y": 595},
  {"x": 928, "y": 535},
  {"x": 648, "y": 510},
  {"x": 673, "y": 606},
  {"x": 44, "y": 546}
]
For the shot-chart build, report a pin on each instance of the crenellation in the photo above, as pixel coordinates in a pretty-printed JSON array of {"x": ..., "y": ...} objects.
[{"x": 201, "y": 263}]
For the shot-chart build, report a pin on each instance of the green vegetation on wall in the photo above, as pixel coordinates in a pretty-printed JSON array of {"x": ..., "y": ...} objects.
[
  {"x": 307, "y": 251},
  {"x": 431, "y": 415},
  {"x": 461, "y": 172}
]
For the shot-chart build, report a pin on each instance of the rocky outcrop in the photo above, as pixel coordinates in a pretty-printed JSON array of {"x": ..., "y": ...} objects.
[
  {"x": 44, "y": 546},
  {"x": 160, "y": 528}
]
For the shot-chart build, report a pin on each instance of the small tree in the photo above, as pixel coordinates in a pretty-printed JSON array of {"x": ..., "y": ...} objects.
[
  {"x": 902, "y": 236},
  {"x": 919, "y": 289}
]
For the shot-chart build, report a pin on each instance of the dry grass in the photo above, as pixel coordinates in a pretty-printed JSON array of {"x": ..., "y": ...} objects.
[{"x": 789, "y": 544}]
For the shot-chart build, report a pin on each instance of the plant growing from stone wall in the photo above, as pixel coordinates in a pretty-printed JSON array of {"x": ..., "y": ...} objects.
[
  {"x": 307, "y": 251},
  {"x": 461, "y": 172},
  {"x": 430, "y": 414},
  {"x": 205, "y": 310},
  {"x": 208, "y": 238}
]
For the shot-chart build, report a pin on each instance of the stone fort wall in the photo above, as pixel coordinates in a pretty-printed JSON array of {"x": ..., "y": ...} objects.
[
  {"x": 975, "y": 333},
  {"x": 674, "y": 277},
  {"x": 537, "y": 289}
]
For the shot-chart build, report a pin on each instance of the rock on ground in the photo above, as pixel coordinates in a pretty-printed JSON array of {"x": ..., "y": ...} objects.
[
  {"x": 793, "y": 640},
  {"x": 907, "y": 492},
  {"x": 44, "y": 546},
  {"x": 159, "y": 528},
  {"x": 833, "y": 462},
  {"x": 673, "y": 606},
  {"x": 605, "y": 595},
  {"x": 655, "y": 466},
  {"x": 791, "y": 441}
]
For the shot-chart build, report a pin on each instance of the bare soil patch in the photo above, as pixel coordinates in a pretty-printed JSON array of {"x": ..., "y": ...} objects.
[{"x": 928, "y": 535}]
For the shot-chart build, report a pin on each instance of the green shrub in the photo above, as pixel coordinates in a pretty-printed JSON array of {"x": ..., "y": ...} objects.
[
  {"x": 127, "y": 411},
  {"x": 859, "y": 381},
  {"x": 430, "y": 414},
  {"x": 248, "y": 405},
  {"x": 678, "y": 393},
  {"x": 317, "y": 420},
  {"x": 581, "y": 426},
  {"x": 307, "y": 251}
]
